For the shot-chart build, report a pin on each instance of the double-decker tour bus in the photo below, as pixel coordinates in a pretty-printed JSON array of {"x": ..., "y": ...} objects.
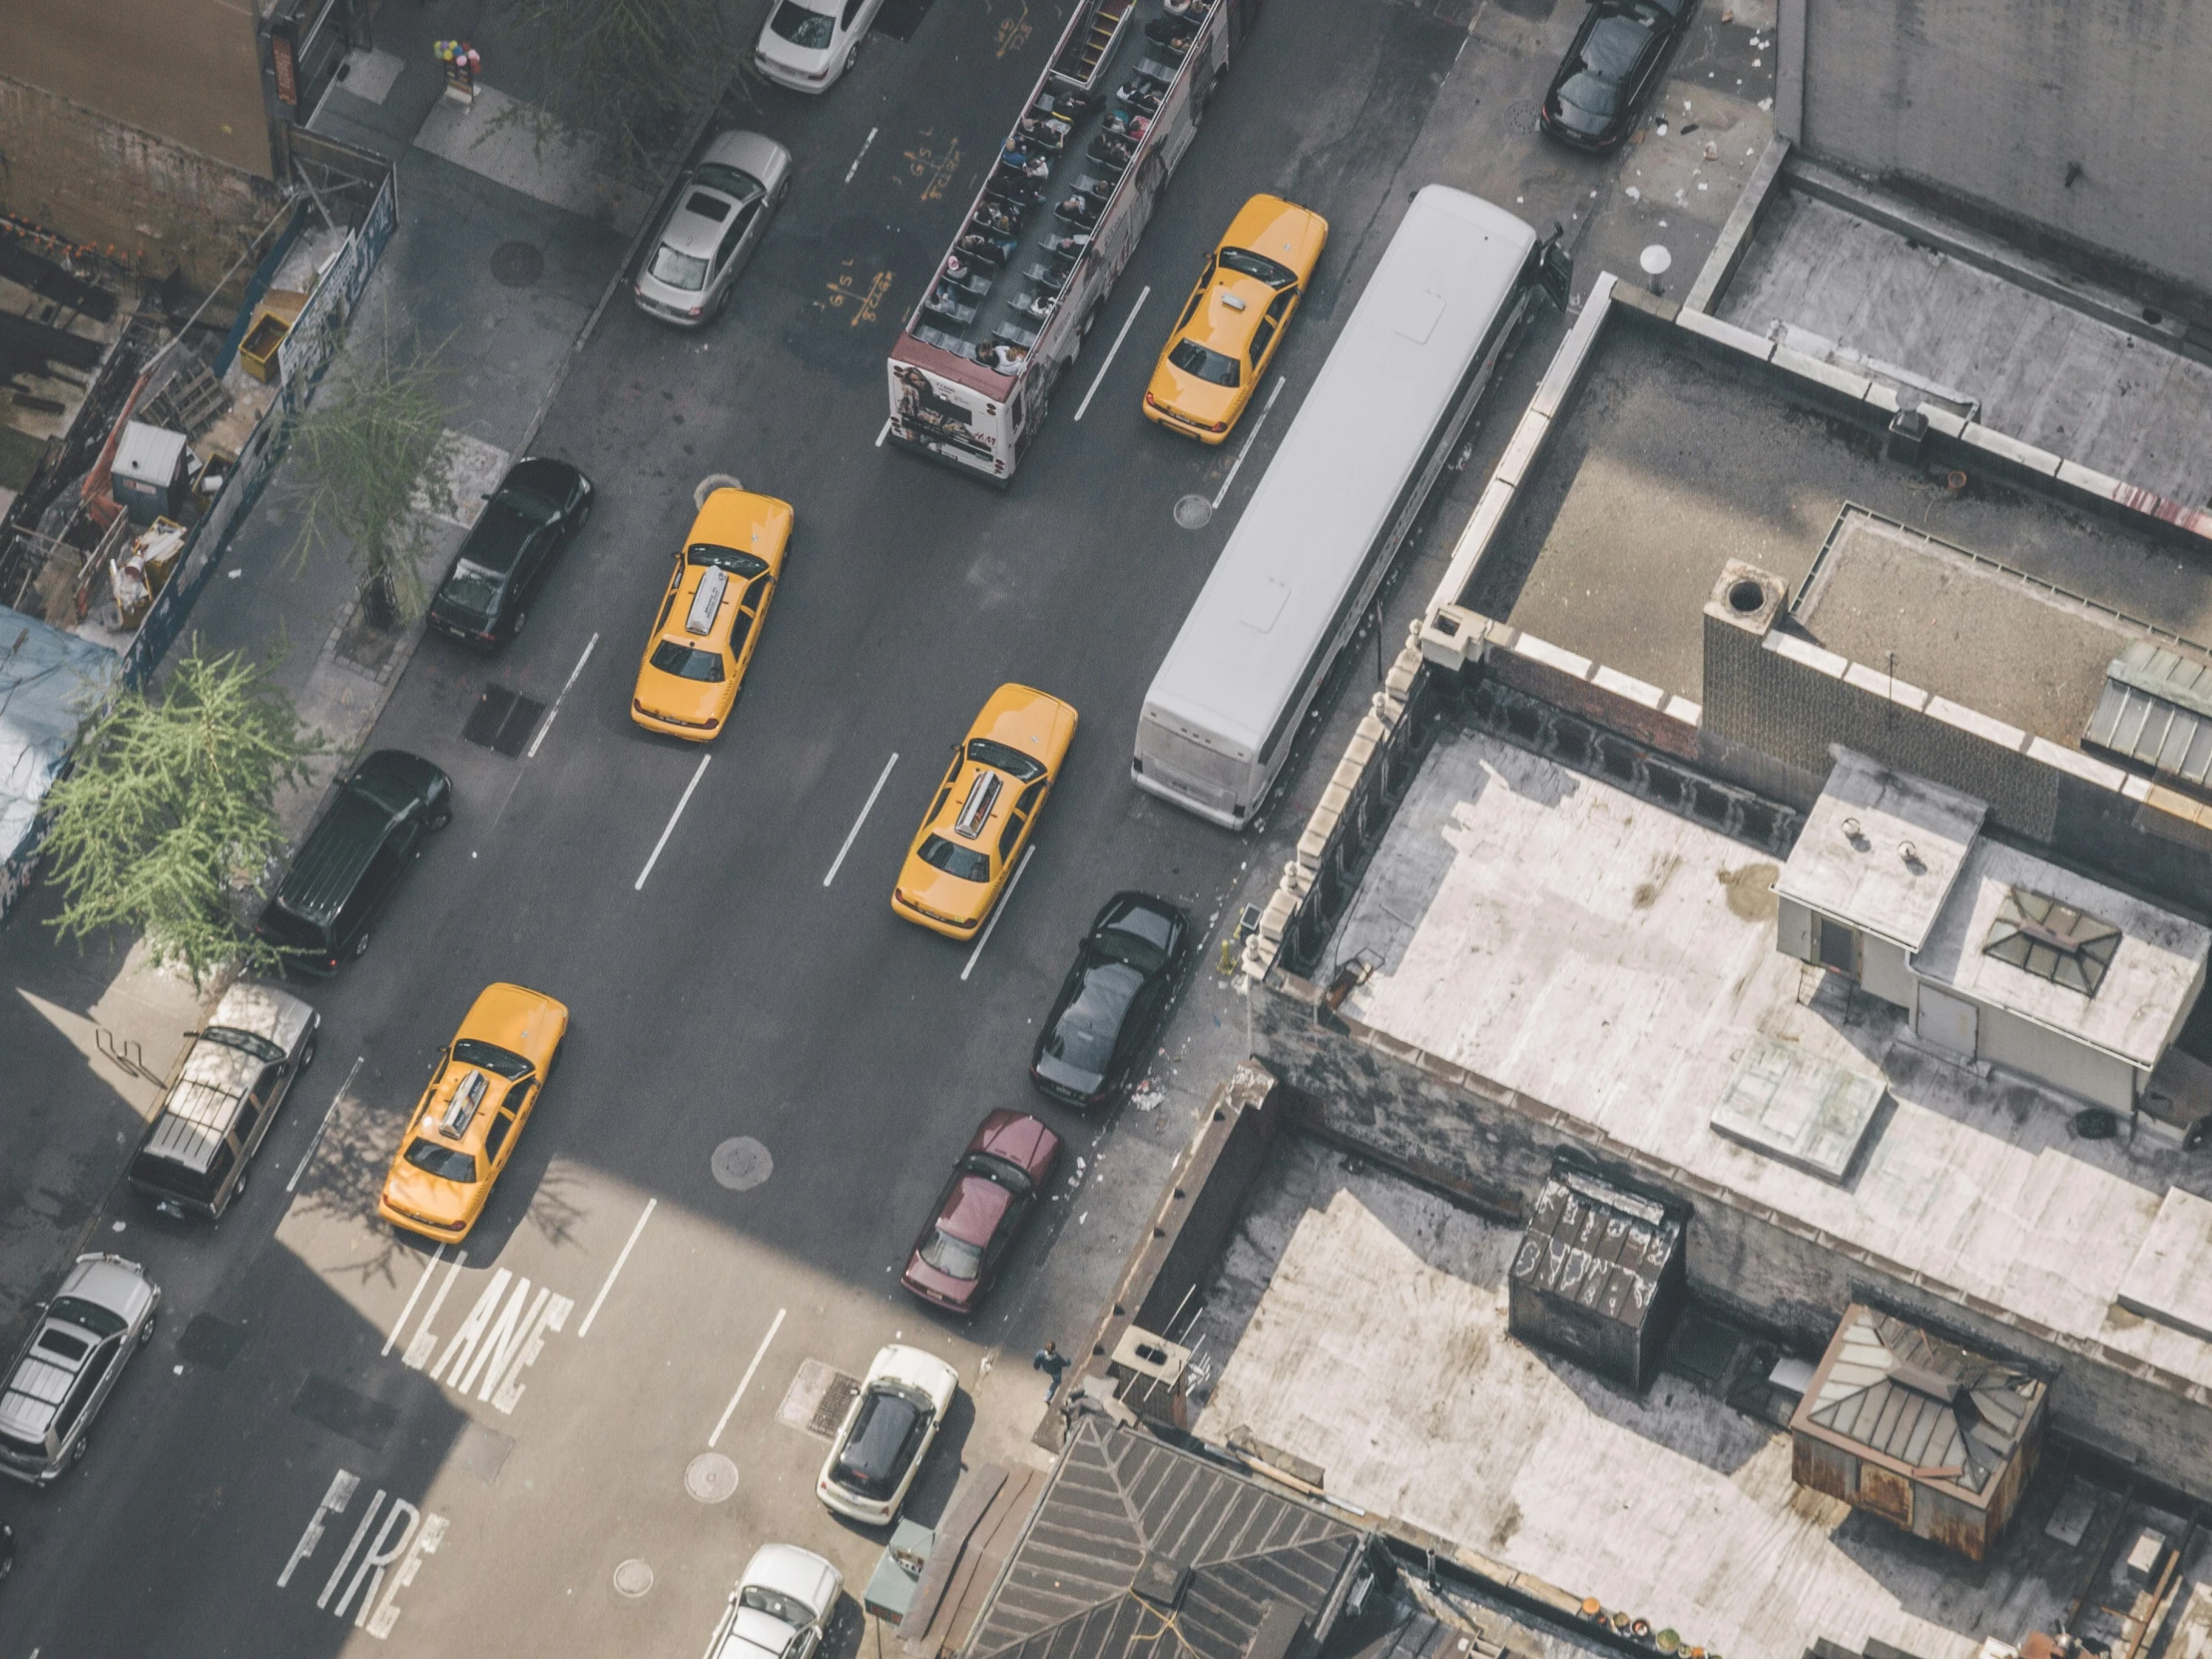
[{"x": 1056, "y": 219}]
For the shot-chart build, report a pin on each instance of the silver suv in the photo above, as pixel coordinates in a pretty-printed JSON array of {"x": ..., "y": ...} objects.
[{"x": 102, "y": 1314}]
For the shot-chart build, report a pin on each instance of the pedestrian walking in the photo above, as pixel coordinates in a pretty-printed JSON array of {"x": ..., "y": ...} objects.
[{"x": 1052, "y": 1362}]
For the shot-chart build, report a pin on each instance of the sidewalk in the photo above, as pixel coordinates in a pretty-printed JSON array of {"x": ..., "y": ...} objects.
[{"x": 486, "y": 259}]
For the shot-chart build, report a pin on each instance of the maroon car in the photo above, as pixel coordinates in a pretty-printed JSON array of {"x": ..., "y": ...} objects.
[{"x": 997, "y": 1182}]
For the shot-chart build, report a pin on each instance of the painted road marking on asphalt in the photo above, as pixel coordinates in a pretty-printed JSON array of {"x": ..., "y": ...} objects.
[
  {"x": 855, "y": 166},
  {"x": 852, "y": 835},
  {"x": 885, "y": 433},
  {"x": 639, "y": 887},
  {"x": 615, "y": 1271},
  {"x": 308, "y": 1156},
  {"x": 1252, "y": 437},
  {"x": 546, "y": 725},
  {"x": 498, "y": 1344},
  {"x": 417, "y": 1535},
  {"x": 414, "y": 1296},
  {"x": 999, "y": 909},
  {"x": 1113, "y": 351},
  {"x": 745, "y": 1382},
  {"x": 425, "y": 1340}
]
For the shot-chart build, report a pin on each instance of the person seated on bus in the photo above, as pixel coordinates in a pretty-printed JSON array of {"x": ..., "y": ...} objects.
[
  {"x": 1109, "y": 151},
  {"x": 1007, "y": 359},
  {"x": 995, "y": 250},
  {"x": 1126, "y": 125},
  {"x": 955, "y": 267},
  {"x": 1078, "y": 209},
  {"x": 1042, "y": 132},
  {"x": 944, "y": 297},
  {"x": 991, "y": 217},
  {"x": 1193, "y": 9}
]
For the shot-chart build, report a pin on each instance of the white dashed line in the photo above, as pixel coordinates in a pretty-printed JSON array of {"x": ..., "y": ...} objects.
[
  {"x": 745, "y": 1382},
  {"x": 615, "y": 1271},
  {"x": 546, "y": 725},
  {"x": 1113, "y": 351},
  {"x": 853, "y": 834},
  {"x": 400, "y": 1324},
  {"x": 1005, "y": 898},
  {"x": 638, "y": 885},
  {"x": 1252, "y": 437},
  {"x": 320, "y": 1128},
  {"x": 855, "y": 166},
  {"x": 885, "y": 433}
]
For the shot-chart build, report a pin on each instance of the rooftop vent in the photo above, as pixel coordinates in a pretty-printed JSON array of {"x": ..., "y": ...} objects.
[
  {"x": 460, "y": 1111},
  {"x": 2039, "y": 936},
  {"x": 705, "y": 604},
  {"x": 975, "y": 812},
  {"x": 1161, "y": 1580}
]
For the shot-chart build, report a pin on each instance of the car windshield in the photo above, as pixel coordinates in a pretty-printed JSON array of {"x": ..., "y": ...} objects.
[
  {"x": 731, "y": 181},
  {"x": 963, "y": 862},
  {"x": 473, "y": 1051},
  {"x": 1087, "y": 1029},
  {"x": 743, "y": 565},
  {"x": 984, "y": 751},
  {"x": 244, "y": 1041},
  {"x": 1210, "y": 366},
  {"x": 803, "y": 28},
  {"x": 472, "y": 589},
  {"x": 886, "y": 1435},
  {"x": 679, "y": 271},
  {"x": 86, "y": 1315},
  {"x": 954, "y": 1257},
  {"x": 441, "y": 1161},
  {"x": 1260, "y": 265},
  {"x": 674, "y": 657}
]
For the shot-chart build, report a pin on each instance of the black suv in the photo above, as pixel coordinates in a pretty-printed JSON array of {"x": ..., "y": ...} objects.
[
  {"x": 383, "y": 812},
  {"x": 536, "y": 508}
]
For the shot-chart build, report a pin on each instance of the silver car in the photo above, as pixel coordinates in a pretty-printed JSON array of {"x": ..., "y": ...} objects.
[
  {"x": 102, "y": 1314},
  {"x": 717, "y": 219},
  {"x": 782, "y": 1606},
  {"x": 222, "y": 1100}
]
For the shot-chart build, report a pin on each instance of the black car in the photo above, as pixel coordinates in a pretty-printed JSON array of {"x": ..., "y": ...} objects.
[
  {"x": 484, "y": 598},
  {"x": 383, "y": 812},
  {"x": 1611, "y": 69},
  {"x": 1111, "y": 1001}
]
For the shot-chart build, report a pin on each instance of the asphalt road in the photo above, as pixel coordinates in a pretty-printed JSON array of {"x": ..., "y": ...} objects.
[{"x": 734, "y": 994}]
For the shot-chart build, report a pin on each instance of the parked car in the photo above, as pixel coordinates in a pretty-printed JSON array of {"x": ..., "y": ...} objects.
[
  {"x": 715, "y": 222},
  {"x": 887, "y": 1434},
  {"x": 384, "y": 811},
  {"x": 806, "y": 47},
  {"x": 711, "y": 619},
  {"x": 102, "y": 1314},
  {"x": 995, "y": 1186},
  {"x": 984, "y": 812},
  {"x": 1234, "y": 322},
  {"x": 782, "y": 1607},
  {"x": 482, "y": 1091},
  {"x": 1609, "y": 70},
  {"x": 1110, "y": 1003},
  {"x": 237, "y": 1072},
  {"x": 484, "y": 599}
]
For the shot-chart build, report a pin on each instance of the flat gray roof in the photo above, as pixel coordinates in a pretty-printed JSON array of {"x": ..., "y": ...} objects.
[{"x": 1848, "y": 862}]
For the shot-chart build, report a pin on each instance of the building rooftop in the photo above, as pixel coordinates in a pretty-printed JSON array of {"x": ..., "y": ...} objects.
[
  {"x": 1665, "y": 464},
  {"x": 1615, "y": 961},
  {"x": 1850, "y": 862}
]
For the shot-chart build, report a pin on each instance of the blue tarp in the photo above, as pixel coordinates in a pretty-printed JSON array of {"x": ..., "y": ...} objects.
[{"x": 49, "y": 683}]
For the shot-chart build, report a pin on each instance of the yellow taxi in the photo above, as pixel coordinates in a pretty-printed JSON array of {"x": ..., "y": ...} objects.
[
  {"x": 983, "y": 816},
  {"x": 711, "y": 616},
  {"x": 1234, "y": 321},
  {"x": 464, "y": 1129}
]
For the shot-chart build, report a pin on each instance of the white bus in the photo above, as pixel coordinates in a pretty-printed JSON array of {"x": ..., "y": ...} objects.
[{"x": 1345, "y": 487}]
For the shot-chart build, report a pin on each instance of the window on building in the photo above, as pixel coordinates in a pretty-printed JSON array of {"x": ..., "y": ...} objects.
[{"x": 2053, "y": 940}]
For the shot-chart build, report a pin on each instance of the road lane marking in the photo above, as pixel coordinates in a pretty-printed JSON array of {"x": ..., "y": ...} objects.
[
  {"x": 546, "y": 725},
  {"x": 1113, "y": 351},
  {"x": 414, "y": 1296},
  {"x": 615, "y": 1271},
  {"x": 639, "y": 887},
  {"x": 855, "y": 166},
  {"x": 334, "y": 1500},
  {"x": 885, "y": 433},
  {"x": 1252, "y": 437},
  {"x": 425, "y": 1339},
  {"x": 320, "y": 1128},
  {"x": 745, "y": 1382},
  {"x": 418, "y": 1534},
  {"x": 852, "y": 835},
  {"x": 999, "y": 909}
]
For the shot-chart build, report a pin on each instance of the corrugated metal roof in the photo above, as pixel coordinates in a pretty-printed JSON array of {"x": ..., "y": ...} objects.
[
  {"x": 1939, "y": 1409},
  {"x": 1597, "y": 1246},
  {"x": 1119, "y": 1499},
  {"x": 2157, "y": 711}
]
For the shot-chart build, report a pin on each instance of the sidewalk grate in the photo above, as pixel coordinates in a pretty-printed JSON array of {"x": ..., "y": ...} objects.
[
  {"x": 331, "y": 1404},
  {"x": 819, "y": 1397},
  {"x": 502, "y": 721},
  {"x": 899, "y": 18}
]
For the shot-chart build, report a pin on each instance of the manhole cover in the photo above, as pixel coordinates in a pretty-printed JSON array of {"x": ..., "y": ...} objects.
[
  {"x": 516, "y": 265},
  {"x": 633, "y": 1577},
  {"x": 742, "y": 1163},
  {"x": 1194, "y": 512},
  {"x": 1520, "y": 116},
  {"x": 711, "y": 1477}
]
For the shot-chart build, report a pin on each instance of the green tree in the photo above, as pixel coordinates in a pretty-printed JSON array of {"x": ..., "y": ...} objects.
[
  {"x": 167, "y": 818},
  {"x": 623, "y": 73},
  {"x": 372, "y": 462}
]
